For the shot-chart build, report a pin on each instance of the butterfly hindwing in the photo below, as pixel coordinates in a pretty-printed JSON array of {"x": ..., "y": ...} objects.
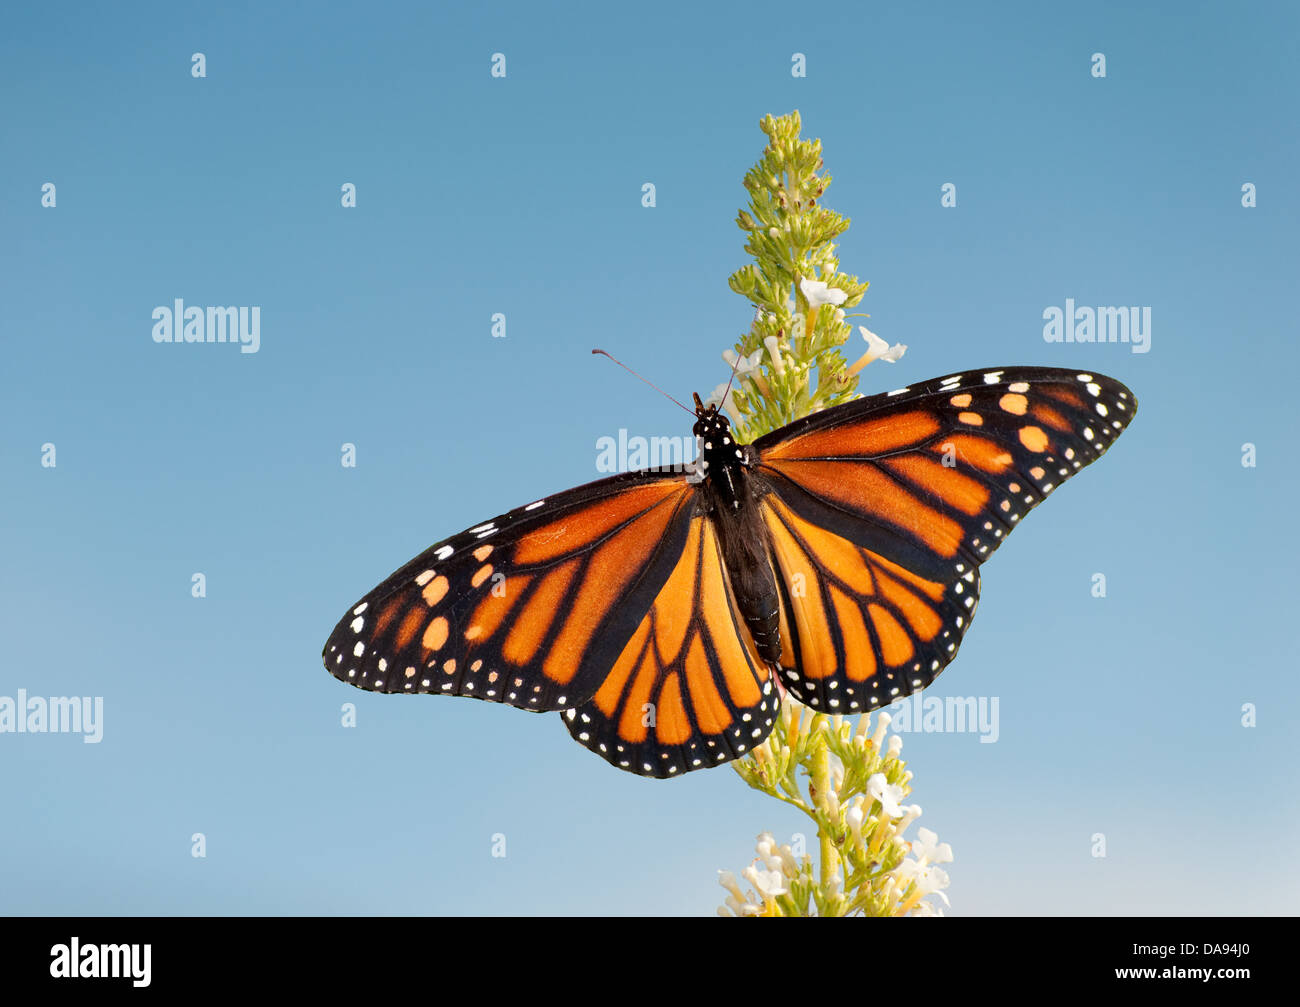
[
  {"x": 862, "y": 631},
  {"x": 688, "y": 691},
  {"x": 881, "y": 510},
  {"x": 529, "y": 609}
]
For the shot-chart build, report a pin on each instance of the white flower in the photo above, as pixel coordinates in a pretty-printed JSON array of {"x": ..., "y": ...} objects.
[
  {"x": 895, "y": 745},
  {"x": 883, "y": 720},
  {"x": 927, "y": 851},
  {"x": 743, "y": 908},
  {"x": 774, "y": 353},
  {"x": 716, "y": 398},
  {"x": 908, "y": 870},
  {"x": 878, "y": 349},
  {"x": 768, "y": 884},
  {"x": 929, "y": 880},
  {"x": 728, "y": 881},
  {"x": 786, "y": 861},
  {"x": 744, "y": 366},
  {"x": 737, "y": 902},
  {"x": 853, "y": 817},
  {"x": 833, "y": 887},
  {"x": 888, "y": 794},
  {"x": 768, "y": 852},
  {"x": 818, "y": 294},
  {"x": 910, "y": 814}
]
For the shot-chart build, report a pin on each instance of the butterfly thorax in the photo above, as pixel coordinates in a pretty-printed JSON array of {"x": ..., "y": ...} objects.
[
  {"x": 722, "y": 460},
  {"x": 732, "y": 497}
]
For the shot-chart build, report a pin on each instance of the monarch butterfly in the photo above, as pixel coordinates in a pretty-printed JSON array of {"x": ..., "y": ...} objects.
[{"x": 838, "y": 555}]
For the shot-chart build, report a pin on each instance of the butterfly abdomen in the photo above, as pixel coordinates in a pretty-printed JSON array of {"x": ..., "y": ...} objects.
[
  {"x": 763, "y": 620},
  {"x": 754, "y": 585},
  {"x": 735, "y": 512}
]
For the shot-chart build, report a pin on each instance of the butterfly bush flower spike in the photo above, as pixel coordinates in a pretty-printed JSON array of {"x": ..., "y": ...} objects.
[
  {"x": 875, "y": 869},
  {"x": 794, "y": 286},
  {"x": 842, "y": 774}
]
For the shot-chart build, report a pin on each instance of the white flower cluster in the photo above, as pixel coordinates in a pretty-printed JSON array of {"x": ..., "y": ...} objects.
[
  {"x": 871, "y": 824},
  {"x": 770, "y": 875}
]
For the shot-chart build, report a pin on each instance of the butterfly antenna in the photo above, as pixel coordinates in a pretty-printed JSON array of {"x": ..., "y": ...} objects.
[
  {"x": 639, "y": 378},
  {"x": 734, "y": 368}
]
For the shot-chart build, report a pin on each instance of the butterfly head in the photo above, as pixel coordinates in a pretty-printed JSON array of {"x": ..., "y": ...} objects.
[{"x": 710, "y": 422}]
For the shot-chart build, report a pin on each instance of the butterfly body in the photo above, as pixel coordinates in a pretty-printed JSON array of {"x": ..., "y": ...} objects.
[
  {"x": 731, "y": 496},
  {"x": 839, "y": 555}
]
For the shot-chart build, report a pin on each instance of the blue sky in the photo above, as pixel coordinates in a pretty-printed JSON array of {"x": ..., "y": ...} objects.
[{"x": 522, "y": 195}]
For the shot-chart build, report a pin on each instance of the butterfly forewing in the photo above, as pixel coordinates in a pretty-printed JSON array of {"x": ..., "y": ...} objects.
[{"x": 529, "y": 609}]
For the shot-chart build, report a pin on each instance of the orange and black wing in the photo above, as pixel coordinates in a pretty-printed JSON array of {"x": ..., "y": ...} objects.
[
  {"x": 880, "y": 511},
  {"x": 688, "y": 690},
  {"x": 530, "y": 609}
]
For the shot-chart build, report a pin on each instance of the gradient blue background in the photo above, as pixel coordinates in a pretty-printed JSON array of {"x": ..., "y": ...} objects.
[{"x": 522, "y": 195}]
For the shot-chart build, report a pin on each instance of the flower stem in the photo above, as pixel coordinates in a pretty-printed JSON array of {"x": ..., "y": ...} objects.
[{"x": 821, "y": 785}]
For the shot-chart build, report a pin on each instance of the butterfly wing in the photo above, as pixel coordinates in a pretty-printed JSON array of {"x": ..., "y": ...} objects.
[
  {"x": 859, "y": 630},
  {"x": 688, "y": 690},
  {"x": 530, "y": 609},
  {"x": 880, "y": 511}
]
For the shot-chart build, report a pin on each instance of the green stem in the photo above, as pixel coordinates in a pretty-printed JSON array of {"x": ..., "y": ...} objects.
[{"x": 821, "y": 781}]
